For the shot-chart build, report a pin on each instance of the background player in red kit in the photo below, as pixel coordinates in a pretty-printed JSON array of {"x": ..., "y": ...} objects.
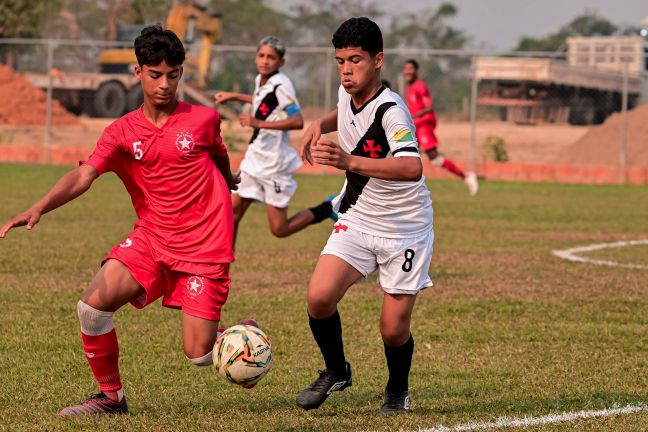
[
  {"x": 421, "y": 107},
  {"x": 171, "y": 159}
]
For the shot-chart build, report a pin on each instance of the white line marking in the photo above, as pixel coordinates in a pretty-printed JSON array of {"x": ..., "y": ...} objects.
[
  {"x": 535, "y": 421},
  {"x": 571, "y": 254}
]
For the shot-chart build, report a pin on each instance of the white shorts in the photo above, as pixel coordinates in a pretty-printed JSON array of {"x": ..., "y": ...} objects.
[
  {"x": 402, "y": 263},
  {"x": 275, "y": 191}
]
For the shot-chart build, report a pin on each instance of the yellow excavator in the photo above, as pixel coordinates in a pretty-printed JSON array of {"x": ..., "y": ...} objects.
[
  {"x": 114, "y": 91},
  {"x": 191, "y": 23}
]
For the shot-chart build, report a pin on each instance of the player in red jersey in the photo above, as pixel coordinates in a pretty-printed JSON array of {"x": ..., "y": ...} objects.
[
  {"x": 171, "y": 158},
  {"x": 421, "y": 107}
]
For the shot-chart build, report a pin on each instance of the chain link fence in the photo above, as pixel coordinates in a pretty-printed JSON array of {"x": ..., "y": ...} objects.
[{"x": 526, "y": 107}]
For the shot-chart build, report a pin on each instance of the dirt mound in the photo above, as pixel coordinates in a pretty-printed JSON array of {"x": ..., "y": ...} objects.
[
  {"x": 601, "y": 144},
  {"x": 24, "y": 104}
]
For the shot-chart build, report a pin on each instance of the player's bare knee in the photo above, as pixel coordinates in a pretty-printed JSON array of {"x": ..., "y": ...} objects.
[
  {"x": 320, "y": 306},
  {"x": 438, "y": 160},
  {"x": 394, "y": 334},
  {"x": 279, "y": 231}
]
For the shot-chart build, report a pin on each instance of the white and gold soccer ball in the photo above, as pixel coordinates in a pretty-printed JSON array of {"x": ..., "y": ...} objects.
[{"x": 243, "y": 355}]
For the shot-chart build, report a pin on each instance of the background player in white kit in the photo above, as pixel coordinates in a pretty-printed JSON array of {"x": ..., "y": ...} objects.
[
  {"x": 385, "y": 216},
  {"x": 266, "y": 170}
]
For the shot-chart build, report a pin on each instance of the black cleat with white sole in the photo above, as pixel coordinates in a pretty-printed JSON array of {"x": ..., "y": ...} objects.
[{"x": 315, "y": 394}]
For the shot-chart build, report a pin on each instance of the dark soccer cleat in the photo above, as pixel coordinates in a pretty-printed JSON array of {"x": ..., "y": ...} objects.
[
  {"x": 395, "y": 403},
  {"x": 315, "y": 394},
  {"x": 251, "y": 322},
  {"x": 96, "y": 404}
]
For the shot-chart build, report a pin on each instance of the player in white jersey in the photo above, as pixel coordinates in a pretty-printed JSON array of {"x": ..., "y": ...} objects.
[
  {"x": 266, "y": 170},
  {"x": 385, "y": 216}
]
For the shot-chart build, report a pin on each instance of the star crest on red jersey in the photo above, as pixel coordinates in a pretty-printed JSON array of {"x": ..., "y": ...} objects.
[
  {"x": 373, "y": 151},
  {"x": 195, "y": 286},
  {"x": 184, "y": 142}
]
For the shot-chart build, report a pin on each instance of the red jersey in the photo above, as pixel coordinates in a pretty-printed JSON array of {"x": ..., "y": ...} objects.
[
  {"x": 418, "y": 98},
  {"x": 181, "y": 199}
]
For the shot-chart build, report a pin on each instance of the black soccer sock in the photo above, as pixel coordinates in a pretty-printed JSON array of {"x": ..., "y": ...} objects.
[
  {"x": 399, "y": 361},
  {"x": 321, "y": 211},
  {"x": 328, "y": 335}
]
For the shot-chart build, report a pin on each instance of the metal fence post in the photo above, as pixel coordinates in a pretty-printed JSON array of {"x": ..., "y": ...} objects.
[
  {"x": 473, "y": 115},
  {"x": 46, "y": 156},
  {"x": 624, "y": 126},
  {"x": 328, "y": 85}
]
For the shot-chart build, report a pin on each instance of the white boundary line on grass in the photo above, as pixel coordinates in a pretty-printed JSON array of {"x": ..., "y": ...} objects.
[
  {"x": 571, "y": 254},
  {"x": 536, "y": 421}
]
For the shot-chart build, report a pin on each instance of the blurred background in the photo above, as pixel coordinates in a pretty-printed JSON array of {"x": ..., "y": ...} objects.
[{"x": 565, "y": 102}]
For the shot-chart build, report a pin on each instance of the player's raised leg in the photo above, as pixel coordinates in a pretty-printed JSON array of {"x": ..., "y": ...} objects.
[
  {"x": 440, "y": 160},
  {"x": 198, "y": 338},
  {"x": 330, "y": 281},
  {"x": 112, "y": 287},
  {"x": 202, "y": 298},
  {"x": 395, "y": 322},
  {"x": 282, "y": 226}
]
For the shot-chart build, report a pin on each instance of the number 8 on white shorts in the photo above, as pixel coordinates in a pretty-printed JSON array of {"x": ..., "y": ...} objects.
[{"x": 403, "y": 263}]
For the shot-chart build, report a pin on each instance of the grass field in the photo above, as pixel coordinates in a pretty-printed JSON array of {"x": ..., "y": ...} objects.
[{"x": 508, "y": 330}]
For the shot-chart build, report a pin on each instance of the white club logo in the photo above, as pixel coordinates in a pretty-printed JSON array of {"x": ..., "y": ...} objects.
[
  {"x": 195, "y": 286},
  {"x": 184, "y": 142},
  {"x": 126, "y": 243}
]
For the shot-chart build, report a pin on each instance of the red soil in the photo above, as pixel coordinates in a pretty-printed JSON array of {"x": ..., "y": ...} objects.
[
  {"x": 601, "y": 145},
  {"x": 24, "y": 104}
]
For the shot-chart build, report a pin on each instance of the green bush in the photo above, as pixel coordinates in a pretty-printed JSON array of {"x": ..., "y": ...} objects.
[{"x": 496, "y": 146}]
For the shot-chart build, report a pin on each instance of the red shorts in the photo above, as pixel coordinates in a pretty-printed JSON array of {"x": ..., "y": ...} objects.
[
  {"x": 426, "y": 137},
  {"x": 198, "y": 289}
]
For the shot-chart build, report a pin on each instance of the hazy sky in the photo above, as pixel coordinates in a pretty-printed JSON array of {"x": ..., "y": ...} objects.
[{"x": 498, "y": 24}]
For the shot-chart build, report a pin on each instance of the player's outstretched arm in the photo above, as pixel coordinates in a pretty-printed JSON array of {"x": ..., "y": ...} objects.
[
  {"x": 223, "y": 97},
  {"x": 406, "y": 168},
  {"x": 326, "y": 124},
  {"x": 70, "y": 186},
  {"x": 291, "y": 123}
]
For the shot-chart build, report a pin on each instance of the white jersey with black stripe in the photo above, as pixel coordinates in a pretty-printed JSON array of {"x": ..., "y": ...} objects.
[
  {"x": 381, "y": 128},
  {"x": 269, "y": 152}
]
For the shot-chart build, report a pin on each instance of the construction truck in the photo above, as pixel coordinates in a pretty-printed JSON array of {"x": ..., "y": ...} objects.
[
  {"x": 584, "y": 89},
  {"x": 114, "y": 90}
]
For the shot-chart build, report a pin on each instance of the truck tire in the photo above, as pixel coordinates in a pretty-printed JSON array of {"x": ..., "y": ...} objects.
[
  {"x": 134, "y": 98},
  {"x": 110, "y": 100}
]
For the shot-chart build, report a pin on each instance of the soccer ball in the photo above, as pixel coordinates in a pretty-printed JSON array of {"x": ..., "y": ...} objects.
[{"x": 243, "y": 355}]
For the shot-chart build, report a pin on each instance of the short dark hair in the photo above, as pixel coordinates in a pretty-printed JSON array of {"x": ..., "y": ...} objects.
[
  {"x": 155, "y": 44},
  {"x": 359, "y": 32},
  {"x": 413, "y": 63}
]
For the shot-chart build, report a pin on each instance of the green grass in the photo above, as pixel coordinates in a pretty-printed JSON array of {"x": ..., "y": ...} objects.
[{"x": 508, "y": 330}]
